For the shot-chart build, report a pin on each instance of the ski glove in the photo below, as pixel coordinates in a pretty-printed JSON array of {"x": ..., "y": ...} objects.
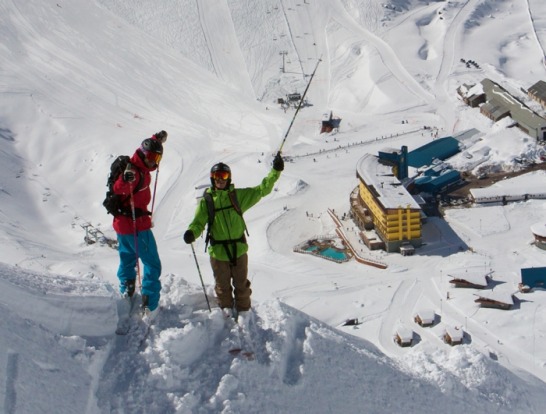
[
  {"x": 278, "y": 162},
  {"x": 189, "y": 237},
  {"x": 129, "y": 176}
]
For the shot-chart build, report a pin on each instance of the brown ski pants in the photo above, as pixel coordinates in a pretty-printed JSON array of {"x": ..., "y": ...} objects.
[{"x": 231, "y": 278}]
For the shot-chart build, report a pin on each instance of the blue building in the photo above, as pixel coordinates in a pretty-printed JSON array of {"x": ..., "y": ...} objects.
[
  {"x": 533, "y": 277},
  {"x": 440, "y": 149},
  {"x": 435, "y": 184},
  {"x": 433, "y": 180}
]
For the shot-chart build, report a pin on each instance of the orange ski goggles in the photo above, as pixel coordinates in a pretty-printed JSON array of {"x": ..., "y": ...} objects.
[
  {"x": 219, "y": 175},
  {"x": 153, "y": 157}
]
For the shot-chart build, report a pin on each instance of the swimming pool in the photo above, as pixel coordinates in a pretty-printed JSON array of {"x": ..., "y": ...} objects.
[
  {"x": 328, "y": 253},
  {"x": 334, "y": 254}
]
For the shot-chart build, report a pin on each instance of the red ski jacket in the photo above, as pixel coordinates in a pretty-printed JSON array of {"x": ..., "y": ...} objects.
[{"x": 124, "y": 224}]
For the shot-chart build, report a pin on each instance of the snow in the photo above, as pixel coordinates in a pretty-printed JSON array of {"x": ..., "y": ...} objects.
[
  {"x": 86, "y": 80},
  {"x": 530, "y": 185}
]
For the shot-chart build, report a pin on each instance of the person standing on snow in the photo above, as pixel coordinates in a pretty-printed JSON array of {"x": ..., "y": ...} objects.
[
  {"x": 133, "y": 228},
  {"x": 226, "y": 234}
]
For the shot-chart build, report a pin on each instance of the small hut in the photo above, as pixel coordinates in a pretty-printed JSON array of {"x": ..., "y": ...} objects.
[
  {"x": 453, "y": 336},
  {"x": 407, "y": 249},
  {"x": 496, "y": 300},
  {"x": 327, "y": 125},
  {"x": 476, "y": 280},
  {"x": 403, "y": 336},
  {"x": 539, "y": 232},
  {"x": 538, "y": 92},
  {"x": 472, "y": 95},
  {"x": 329, "y": 122},
  {"x": 425, "y": 317}
]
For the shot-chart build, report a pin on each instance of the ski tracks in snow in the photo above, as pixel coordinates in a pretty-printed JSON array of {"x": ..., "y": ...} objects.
[
  {"x": 388, "y": 55},
  {"x": 536, "y": 9},
  {"x": 402, "y": 303},
  {"x": 228, "y": 61}
]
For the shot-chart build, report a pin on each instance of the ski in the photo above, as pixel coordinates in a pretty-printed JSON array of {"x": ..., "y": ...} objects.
[
  {"x": 247, "y": 350},
  {"x": 239, "y": 347},
  {"x": 145, "y": 333},
  {"x": 248, "y": 355},
  {"x": 146, "y": 322},
  {"x": 242, "y": 345},
  {"x": 126, "y": 309}
]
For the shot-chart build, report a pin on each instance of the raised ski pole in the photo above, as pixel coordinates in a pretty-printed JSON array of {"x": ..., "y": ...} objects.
[
  {"x": 299, "y": 106},
  {"x": 200, "y": 277},
  {"x": 135, "y": 234},
  {"x": 161, "y": 137}
]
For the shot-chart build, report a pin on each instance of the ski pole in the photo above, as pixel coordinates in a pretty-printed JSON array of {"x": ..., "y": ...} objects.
[
  {"x": 135, "y": 235},
  {"x": 161, "y": 137},
  {"x": 200, "y": 277},
  {"x": 155, "y": 188},
  {"x": 299, "y": 105}
]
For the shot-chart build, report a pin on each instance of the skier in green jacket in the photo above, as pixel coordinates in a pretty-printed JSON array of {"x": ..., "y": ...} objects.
[{"x": 226, "y": 234}]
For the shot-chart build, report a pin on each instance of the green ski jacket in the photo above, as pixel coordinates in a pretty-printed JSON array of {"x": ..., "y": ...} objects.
[{"x": 228, "y": 228}]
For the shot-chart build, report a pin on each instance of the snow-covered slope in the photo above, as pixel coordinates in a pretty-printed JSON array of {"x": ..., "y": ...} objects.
[{"x": 85, "y": 81}]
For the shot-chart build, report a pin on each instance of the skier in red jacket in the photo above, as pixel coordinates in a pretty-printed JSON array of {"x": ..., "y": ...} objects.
[{"x": 135, "y": 237}]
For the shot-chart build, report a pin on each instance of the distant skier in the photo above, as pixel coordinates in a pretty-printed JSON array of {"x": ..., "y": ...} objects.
[
  {"x": 133, "y": 227},
  {"x": 226, "y": 234}
]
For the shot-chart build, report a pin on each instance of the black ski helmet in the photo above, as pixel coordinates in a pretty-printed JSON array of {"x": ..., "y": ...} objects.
[
  {"x": 220, "y": 167},
  {"x": 151, "y": 151},
  {"x": 151, "y": 145}
]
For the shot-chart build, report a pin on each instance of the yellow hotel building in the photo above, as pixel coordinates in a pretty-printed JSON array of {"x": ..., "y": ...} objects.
[{"x": 395, "y": 214}]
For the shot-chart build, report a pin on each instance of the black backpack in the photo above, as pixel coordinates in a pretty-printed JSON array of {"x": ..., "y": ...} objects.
[
  {"x": 115, "y": 203},
  {"x": 212, "y": 211}
]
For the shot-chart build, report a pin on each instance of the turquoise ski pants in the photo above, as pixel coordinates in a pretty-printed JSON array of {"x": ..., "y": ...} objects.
[{"x": 148, "y": 255}]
